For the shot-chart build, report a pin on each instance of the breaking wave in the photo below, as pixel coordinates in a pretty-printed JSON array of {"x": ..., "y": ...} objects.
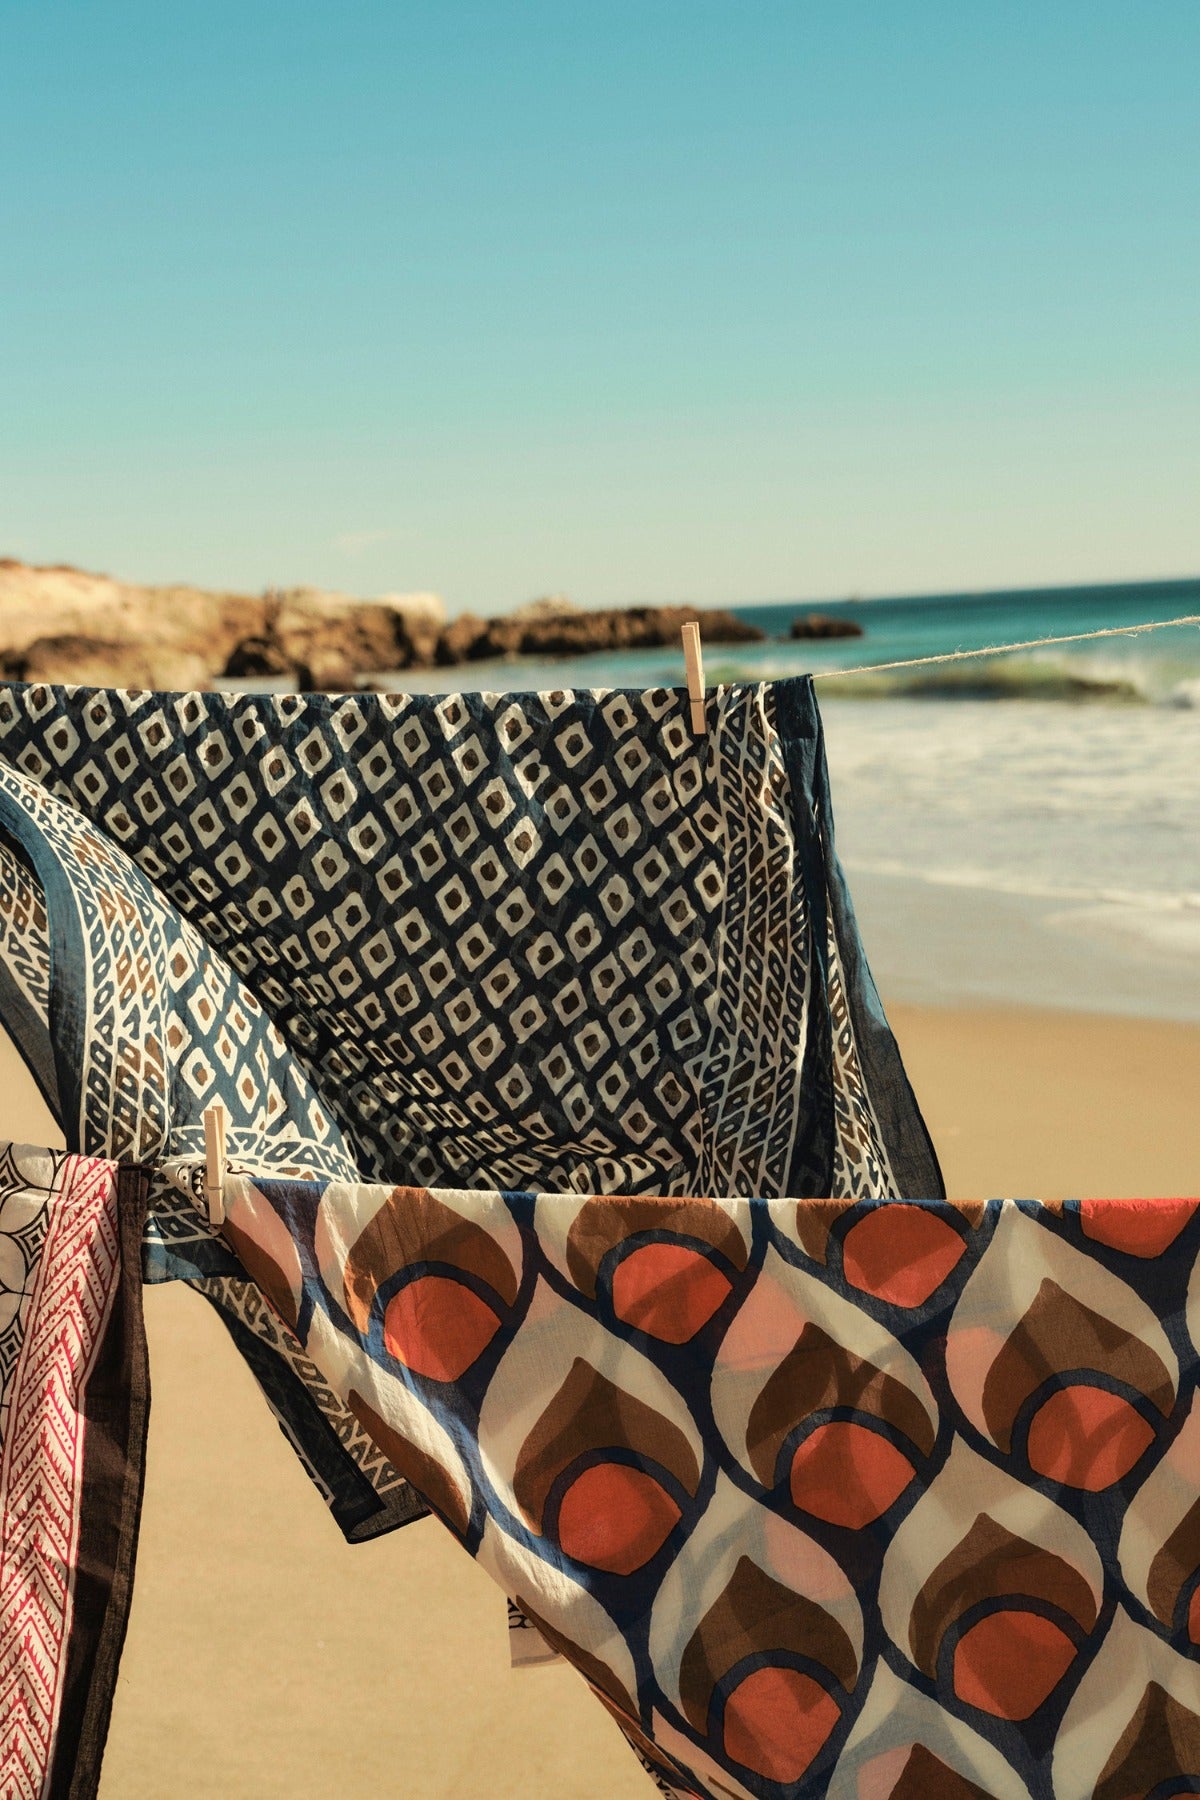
[{"x": 1131, "y": 680}]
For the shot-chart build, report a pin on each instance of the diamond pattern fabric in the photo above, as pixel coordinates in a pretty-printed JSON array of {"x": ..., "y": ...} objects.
[{"x": 549, "y": 940}]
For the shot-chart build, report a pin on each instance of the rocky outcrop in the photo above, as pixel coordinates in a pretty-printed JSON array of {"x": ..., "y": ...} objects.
[
  {"x": 331, "y": 639},
  {"x": 456, "y": 643},
  {"x": 825, "y": 625},
  {"x": 61, "y": 624},
  {"x": 548, "y": 628}
]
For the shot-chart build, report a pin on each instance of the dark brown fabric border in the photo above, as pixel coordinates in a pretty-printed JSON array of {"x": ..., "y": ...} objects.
[{"x": 116, "y": 1404}]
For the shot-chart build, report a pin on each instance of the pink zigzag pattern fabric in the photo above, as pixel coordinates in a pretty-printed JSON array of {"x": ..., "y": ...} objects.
[{"x": 41, "y": 1463}]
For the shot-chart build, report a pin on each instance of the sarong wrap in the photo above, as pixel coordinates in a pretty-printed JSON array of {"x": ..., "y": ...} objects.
[
  {"x": 74, "y": 1401},
  {"x": 820, "y": 1497}
]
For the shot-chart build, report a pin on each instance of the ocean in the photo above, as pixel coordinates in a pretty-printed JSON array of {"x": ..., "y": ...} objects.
[{"x": 1018, "y": 830}]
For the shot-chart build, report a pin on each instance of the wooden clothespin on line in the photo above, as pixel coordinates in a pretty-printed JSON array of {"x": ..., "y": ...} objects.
[
  {"x": 215, "y": 1126},
  {"x": 693, "y": 662}
]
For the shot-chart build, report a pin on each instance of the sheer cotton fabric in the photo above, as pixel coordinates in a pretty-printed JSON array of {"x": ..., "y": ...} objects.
[
  {"x": 542, "y": 940},
  {"x": 820, "y": 1497}
]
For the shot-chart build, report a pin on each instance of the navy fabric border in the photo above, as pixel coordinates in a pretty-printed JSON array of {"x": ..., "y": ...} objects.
[
  {"x": 909, "y": 1146},
  {"x": 65, "y": 933},
  {"x": 360, "y": 1512},
  {"x": 811, "y": 1172}
]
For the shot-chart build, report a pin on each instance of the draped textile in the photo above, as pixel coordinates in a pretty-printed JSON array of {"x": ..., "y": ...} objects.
[
  {"x": 543, "y": 941},
  {"x": 534, "y": 940},
  {"x": 74, "y": 1400},
  {"x": 131, "y": 1025},
  {"x": 821, "y": 1497},
  {"x": 549, "y": 940}
]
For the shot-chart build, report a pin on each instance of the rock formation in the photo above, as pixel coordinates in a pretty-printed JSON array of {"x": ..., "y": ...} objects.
[
  {"x": 825, "y": 625},
  {"x": 547, "y": 628},
  {"x": 62, "y": 624},
  {"x": 330, "y": 639}
]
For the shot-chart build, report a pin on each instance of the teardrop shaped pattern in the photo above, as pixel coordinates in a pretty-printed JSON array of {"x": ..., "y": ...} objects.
[{"x": 875, "y": 1501}]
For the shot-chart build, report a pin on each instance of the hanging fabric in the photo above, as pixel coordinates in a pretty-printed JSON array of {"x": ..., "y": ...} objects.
[
  {"x": 821, "y": 1497},
  {"x": 74, "y": 1401},
  {"x": 544, "y": 940},
  {"x": 131, "y": 1025}
]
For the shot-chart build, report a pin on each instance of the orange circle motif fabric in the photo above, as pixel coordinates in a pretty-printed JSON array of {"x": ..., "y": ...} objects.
[{"x": 821, "y": 1497}]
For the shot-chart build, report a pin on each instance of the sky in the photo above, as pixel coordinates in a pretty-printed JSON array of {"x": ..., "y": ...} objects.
[{"x": 635, "y": 300}]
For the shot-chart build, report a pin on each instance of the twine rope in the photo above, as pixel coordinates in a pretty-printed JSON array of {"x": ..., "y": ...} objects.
[{"x": 949, "y": 656}]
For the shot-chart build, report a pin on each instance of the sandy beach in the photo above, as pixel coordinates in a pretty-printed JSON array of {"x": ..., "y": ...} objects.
[{"x": 267, "y": 1659}]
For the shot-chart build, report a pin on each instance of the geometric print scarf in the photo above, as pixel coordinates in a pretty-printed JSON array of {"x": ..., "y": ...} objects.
[
  {"x": 542, "y": 940},
  {"x": 124, "y": 1018},
  {"x": 820, "y": 1497}
]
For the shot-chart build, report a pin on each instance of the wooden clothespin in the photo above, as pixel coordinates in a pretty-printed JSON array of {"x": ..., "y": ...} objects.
[
  {"x": 215, "y": 1125},
  {"x": 694, "y": 664}
]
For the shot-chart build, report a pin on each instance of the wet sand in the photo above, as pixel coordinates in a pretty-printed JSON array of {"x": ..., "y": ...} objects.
[{"x": 266, "y": 1659}]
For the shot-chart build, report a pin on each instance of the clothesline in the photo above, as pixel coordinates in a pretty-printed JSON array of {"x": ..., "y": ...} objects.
[{"x": 1074, "y": 637}]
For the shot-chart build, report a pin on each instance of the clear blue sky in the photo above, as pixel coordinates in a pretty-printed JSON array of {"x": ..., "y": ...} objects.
[{"x": 646, "y": 299}]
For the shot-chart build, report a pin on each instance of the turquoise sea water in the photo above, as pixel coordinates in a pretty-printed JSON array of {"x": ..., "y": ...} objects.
[
  {"x": 1158, "y": 667},
  {"x": 1016, "y": 829}
]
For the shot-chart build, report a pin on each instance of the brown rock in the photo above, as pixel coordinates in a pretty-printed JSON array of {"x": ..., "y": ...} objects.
[
  {"x": 556, "y": 628},
  {"x": 257, "y": 656},
  {"x": 95, "y": 662},
  {"x": 61, "y": 624},
  {"x": 457, "y": 641},
  {"x": 505, "y": 637},
  {"x": 419, "y": 622},
  {"x": 550, "y": 606},
  {"x": 825, "y": 625},
  {"x": 334, "y": 638}
]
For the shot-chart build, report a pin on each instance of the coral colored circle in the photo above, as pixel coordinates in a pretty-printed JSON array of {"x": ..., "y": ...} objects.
[
  {"x": 438, "y": 1327},
  {"x": 848, "y": 1475},
  {"x": 1010, "y": 1662},
  {"x": 1086, "y": 1437},
  {"x": 667, "y": 1291},
  {"x": 900, "y": 1253},
  {"x": 615, "y": 1518},
  {"x": 776, "y": 1721},
  {"x": 1138, "y": 1227}
]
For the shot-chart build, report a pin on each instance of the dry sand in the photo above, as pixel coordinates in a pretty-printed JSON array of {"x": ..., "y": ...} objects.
[{"x": 266, "y": 1659}]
